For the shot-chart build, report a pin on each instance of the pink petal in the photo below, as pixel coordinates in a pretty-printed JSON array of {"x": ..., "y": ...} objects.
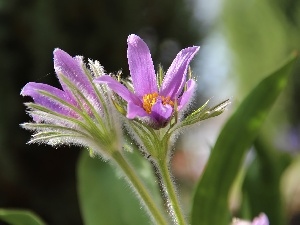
[
  {"x": 141, "y": 66},
  {"x": 72, "y": 68},
  {"x": 161, "y": 113},
  {"x": 176, "y": 75},
  {"x": 261, "y": 220},
  {"x": 187, "y": 95},
  {"x": 120, "y": 89},
  {"x": 32, "y": 89},
  {"x": 134, "y": 111}
]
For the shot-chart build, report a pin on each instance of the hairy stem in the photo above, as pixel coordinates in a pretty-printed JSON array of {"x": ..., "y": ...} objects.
[
  {"x": 142, "y": 191},
  {"x": 169, "y": 188}
]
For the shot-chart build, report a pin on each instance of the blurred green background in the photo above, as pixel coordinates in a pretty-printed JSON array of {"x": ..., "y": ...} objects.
[{"x": 241, "y": 41}]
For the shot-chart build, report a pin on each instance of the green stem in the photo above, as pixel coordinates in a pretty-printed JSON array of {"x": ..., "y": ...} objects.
[
  {"x": 168, "y": 185},
  {"x": 140, "y": 188}
]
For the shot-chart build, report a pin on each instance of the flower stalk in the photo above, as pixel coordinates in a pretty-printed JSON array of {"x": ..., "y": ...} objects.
[
  {"x": 170, "y": 192},
  {"x": 139, "y": 187},
  {"x": 156, "y": 145}
]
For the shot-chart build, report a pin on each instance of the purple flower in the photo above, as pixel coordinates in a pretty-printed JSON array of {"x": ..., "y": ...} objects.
[
  {"x": 66, "y": 68},
  {"x": 151, "y": 101},
  {"x": 262, "y": 219},
  {"x": 80, "y": 113}
]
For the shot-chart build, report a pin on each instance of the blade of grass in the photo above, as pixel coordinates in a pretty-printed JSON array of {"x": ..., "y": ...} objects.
[
  {"x": 261, "y": 186},
  {"x": 210, "y": 205},
  {"x": 19, "y": 217}
]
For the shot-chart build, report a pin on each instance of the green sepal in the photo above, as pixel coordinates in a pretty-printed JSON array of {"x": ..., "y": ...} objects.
[
  {"x": 119, "y": 107},
  {"x": 204, "y": 113}
]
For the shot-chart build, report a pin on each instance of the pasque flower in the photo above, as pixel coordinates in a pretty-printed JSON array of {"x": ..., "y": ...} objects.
[
  {"x": 76, "y": 114},
  {"x": 83, "y": 114},
  {"x": 152, "y": 100}
]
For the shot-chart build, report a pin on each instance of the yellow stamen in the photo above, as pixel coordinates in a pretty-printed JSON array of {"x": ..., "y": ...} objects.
[
  {"x": 150, "y": 99},
  {"x": 167, "y": 100}
]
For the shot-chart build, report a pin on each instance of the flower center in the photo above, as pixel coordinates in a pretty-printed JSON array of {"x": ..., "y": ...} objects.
[{"x": 150, "y": 99}]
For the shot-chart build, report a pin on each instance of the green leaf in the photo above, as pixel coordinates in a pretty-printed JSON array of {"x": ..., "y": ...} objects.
[
  {"x": 20, "y": 217},
  {"x": 261, "y": 187},
  {"x": 210, "y": 205},
  {"x": 105, "y": 197}
]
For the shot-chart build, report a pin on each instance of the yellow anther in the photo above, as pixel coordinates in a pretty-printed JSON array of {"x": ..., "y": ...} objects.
[
  {"x": 167, "y": 100},
  {"x": 150, "y": 99}
]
